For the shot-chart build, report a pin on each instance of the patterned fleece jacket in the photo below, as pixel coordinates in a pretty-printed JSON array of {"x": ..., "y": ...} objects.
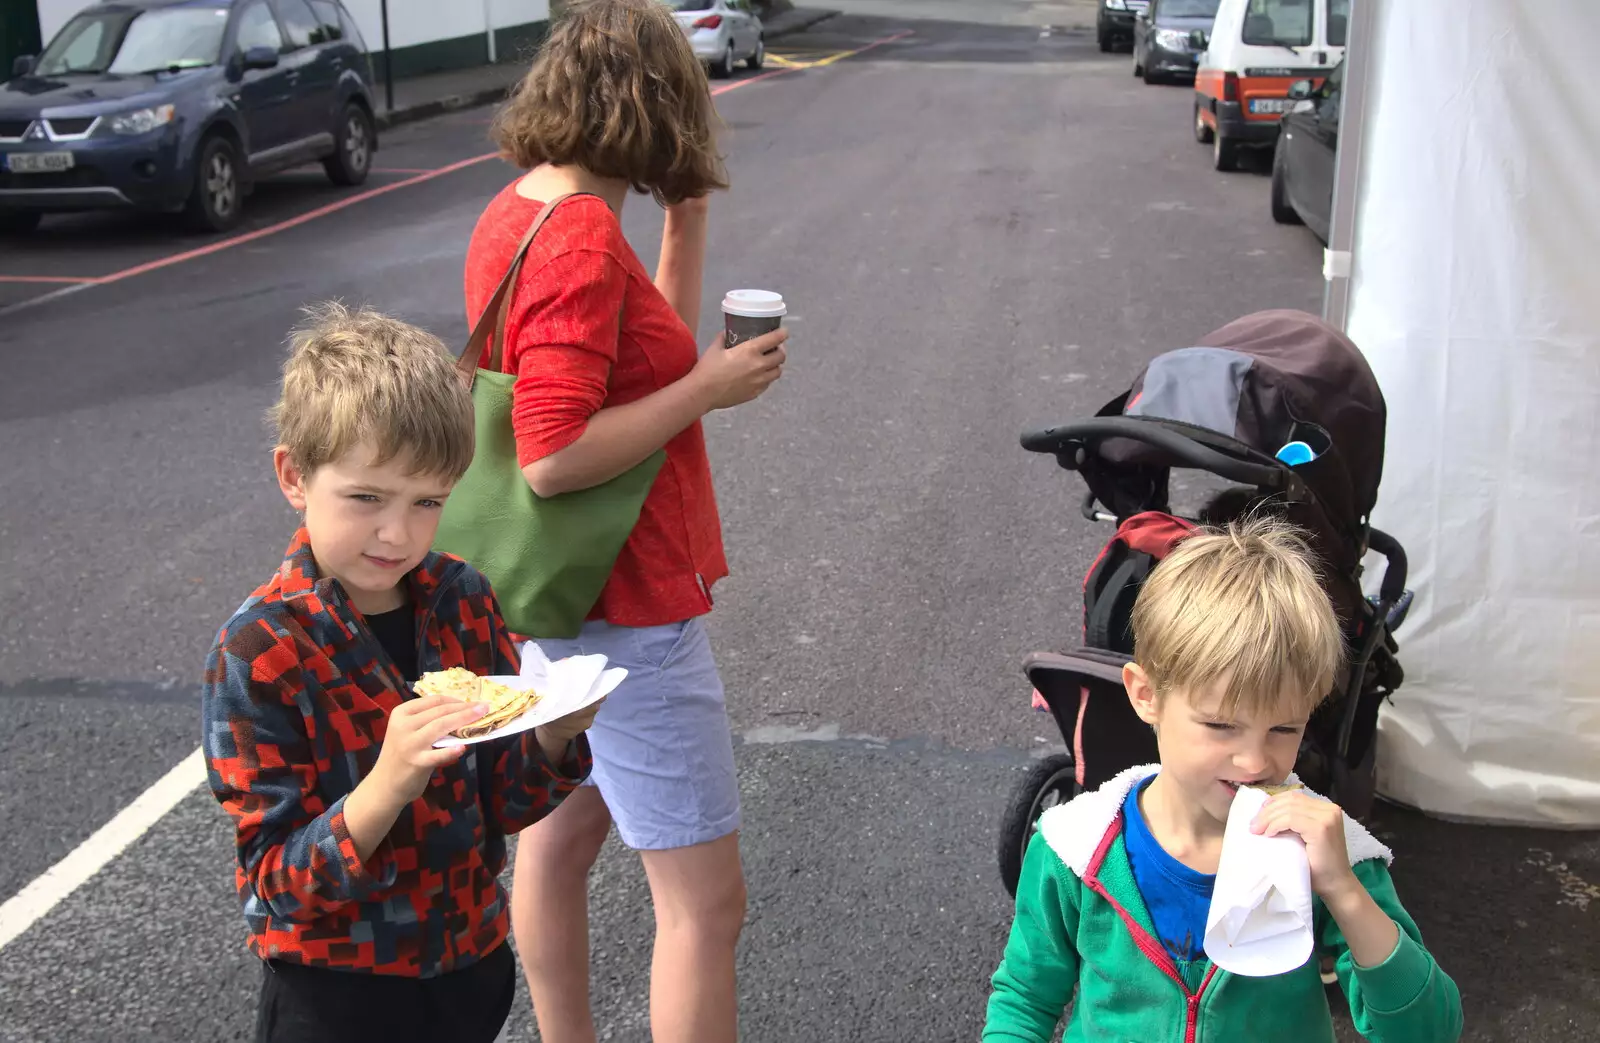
[{"x": 297, "y": 696}]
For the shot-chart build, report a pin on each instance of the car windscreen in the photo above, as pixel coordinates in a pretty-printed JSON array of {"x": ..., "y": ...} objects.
[
  {"x": 130, "y": 42},
  {"x": 1189, "y": 8},
  {"x": 691, "y": 5},
  {"x": 1278, "y": 23}
]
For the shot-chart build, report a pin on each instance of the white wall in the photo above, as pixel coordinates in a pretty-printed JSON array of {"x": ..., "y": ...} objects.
[
  {"x": 410, "y": 21},
  {"x": 422, "y": 21},
  {"x": 53, "y": 14}
]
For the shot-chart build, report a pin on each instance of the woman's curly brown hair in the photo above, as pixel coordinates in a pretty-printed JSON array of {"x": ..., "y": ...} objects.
[{"x": 616, "y": 89}]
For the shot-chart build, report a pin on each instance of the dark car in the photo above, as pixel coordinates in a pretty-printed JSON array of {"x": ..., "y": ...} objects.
[
  {"x": 1113, "y": 25},
  {"x": 180, "y": 105},
  {"x": 1168, "y": 39},
  {"x": 1308, "y": 143}
]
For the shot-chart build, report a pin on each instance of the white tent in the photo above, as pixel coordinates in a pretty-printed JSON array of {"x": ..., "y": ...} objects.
[{"x": 1465, "y": 261}]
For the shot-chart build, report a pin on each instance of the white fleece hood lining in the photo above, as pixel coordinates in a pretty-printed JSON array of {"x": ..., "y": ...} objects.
[{"x": 1074, "y": 830}]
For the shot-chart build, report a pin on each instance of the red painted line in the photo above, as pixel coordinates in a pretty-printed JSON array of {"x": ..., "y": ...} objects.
[
  {"x": 891, "y": 38},
  {"x": 417, "y": 177},
  {"x": 401, "y": 170},
  {"x": 293, "y": 222},
  {"x": 736, "y": 84}
]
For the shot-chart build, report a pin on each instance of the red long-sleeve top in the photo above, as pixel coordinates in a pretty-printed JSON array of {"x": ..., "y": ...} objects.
[{"x": 588, "y": 330}]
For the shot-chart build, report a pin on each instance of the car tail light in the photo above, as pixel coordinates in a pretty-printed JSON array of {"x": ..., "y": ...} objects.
[
  {"x": 710, "y": 21},
  {"x": 1230, "y": 86}
]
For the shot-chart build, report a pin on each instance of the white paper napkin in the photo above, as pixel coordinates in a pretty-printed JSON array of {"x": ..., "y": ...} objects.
[
  {"x": 1260, "y": 920},
  {"x": 566, "y": 685}
]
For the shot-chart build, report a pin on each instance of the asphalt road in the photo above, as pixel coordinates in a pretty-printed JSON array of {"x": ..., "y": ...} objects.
[{"x": 980, "y": 229}]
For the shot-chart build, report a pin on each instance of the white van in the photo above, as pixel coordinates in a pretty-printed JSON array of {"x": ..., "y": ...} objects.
[{"x": 1257, "y": 49}]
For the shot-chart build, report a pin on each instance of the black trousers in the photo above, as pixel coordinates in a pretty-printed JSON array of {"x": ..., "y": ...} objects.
[{"x": 315, "y": 1005}]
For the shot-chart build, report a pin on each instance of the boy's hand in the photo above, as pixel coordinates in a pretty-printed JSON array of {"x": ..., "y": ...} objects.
[
  {"x": 407, "y": 759},
  {"x": 1320, "y": 824},
  {"x": 556, "y": 736}
]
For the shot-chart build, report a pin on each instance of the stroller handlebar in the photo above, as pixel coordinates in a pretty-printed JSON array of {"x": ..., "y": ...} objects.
[
  {"x": 1393, "y": 586},
  {"x": 1069, "y": 441}
]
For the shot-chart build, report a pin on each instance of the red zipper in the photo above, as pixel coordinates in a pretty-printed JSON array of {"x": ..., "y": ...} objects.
[{"x": 1153, "y": 950}]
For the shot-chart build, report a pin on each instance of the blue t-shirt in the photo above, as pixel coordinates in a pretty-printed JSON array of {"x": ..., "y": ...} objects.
[{"x": 1177, "y": 897}]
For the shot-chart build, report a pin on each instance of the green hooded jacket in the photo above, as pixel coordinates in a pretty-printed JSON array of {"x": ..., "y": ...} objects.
[{"x": 1082, "y": 935}]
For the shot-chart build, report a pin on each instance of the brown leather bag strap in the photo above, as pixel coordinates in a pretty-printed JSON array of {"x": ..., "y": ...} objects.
[{"x": 493, "y": 320}]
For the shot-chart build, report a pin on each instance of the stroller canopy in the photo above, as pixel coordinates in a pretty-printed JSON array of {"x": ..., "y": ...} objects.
[{"x": 1261, "y": 382}]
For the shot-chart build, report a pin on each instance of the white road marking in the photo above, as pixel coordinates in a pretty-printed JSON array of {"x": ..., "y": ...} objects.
[
  {"x": 785, "y": 734},
  {"x": 25, "y": 908}
]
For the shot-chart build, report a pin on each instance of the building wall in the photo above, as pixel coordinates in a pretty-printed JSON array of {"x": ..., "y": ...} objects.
[
  {"x": 53, "y": 14},
  {"x": 424, "y": 35}
]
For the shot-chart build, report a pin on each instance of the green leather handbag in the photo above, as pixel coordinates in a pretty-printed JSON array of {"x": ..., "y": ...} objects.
[{"x": 548, "y": 558}]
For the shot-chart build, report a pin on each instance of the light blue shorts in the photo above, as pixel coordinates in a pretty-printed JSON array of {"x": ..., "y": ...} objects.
[{"x": 663, "y": 747}]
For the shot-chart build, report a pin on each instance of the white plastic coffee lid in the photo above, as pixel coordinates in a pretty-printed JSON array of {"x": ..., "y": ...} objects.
[{"x": 754, "y": 304}]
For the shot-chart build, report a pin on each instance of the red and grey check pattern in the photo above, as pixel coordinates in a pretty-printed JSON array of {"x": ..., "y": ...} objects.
[{"x": 296, "y": 700}]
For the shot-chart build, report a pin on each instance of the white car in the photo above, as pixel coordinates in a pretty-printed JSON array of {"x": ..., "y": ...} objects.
[{"x": 722, "y": 32}]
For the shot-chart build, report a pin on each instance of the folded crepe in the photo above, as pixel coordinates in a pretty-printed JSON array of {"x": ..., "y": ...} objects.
[
  {"x": 1260, "y": 921},
  {"x": 506, "y": 704}
]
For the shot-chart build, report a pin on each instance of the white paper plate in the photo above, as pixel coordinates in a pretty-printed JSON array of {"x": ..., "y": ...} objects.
[{"x": 568, "y": 685}]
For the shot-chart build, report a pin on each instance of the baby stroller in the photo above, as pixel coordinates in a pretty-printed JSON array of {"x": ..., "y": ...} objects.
[{"x": 1283, "y": 408}]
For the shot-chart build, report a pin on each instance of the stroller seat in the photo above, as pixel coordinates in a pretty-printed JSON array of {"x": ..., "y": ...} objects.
[{"x": 1231, "y": 407}]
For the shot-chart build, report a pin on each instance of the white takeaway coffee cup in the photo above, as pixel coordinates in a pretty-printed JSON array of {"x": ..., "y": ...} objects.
[{"x": 747, "y": 314}]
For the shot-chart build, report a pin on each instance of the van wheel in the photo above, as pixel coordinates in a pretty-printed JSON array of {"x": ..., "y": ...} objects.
[
  {"x": 1283, "y": 211},
  {"x": 722, "y": 68},
  {"x": 758, "y": 58},
  {"x": 1105, "y": 44},
  {"x": 1202, "y": 130},
  {"x": 18, "y": 222},
  {"x": 352, "y": 147},
  {"x": 214, "y": 202},
  {"x": 1224, "y": 152}
]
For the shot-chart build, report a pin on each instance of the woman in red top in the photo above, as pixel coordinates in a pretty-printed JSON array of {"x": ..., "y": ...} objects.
[{"x": 608, "y": 372}]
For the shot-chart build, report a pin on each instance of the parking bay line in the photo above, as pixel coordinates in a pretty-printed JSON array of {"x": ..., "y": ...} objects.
[
  {"x": 76, "y": 286},
  {"x": 46, "y": 891},
  {"x": 42, "y": 894},
  {"x": 828, "y": 59},
  {"x": 247, "y": 237}
]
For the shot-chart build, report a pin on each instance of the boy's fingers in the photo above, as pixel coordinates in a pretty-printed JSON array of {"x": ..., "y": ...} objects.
[
  {"x": 451, "y": 708},
  {"x": 1269, "y": 821},
  {"x": 413, "y": 707},
  {"x": 439, "y": 758},
  {"x": 445, "y": 723}
]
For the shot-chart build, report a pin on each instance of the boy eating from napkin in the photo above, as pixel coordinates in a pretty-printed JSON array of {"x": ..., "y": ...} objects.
[
  {"x": 367, "y": 859},
  {"x": 1235, "y": 644}
]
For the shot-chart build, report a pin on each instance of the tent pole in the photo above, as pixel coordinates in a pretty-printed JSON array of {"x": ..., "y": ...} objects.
[{"x": 1360, "y": 41}]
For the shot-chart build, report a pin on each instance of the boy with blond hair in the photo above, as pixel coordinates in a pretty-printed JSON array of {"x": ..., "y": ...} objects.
[
  {"x": 1235, "y": 644},
  {"x": 367, "y": 859}
]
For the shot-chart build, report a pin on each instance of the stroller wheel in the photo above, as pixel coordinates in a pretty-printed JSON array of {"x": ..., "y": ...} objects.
[{"x": 1048, "y": 782}]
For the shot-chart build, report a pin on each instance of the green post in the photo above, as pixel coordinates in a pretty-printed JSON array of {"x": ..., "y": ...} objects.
[{"x": 19, "y": 32}]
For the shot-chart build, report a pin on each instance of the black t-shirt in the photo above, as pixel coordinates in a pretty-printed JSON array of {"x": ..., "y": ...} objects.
[{"x": 396, "y": 631}]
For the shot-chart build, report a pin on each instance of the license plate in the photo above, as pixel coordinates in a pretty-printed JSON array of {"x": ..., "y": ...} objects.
[
  {"x": 39, "y": 162},
  {"x": 1271, "y": 106}
]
